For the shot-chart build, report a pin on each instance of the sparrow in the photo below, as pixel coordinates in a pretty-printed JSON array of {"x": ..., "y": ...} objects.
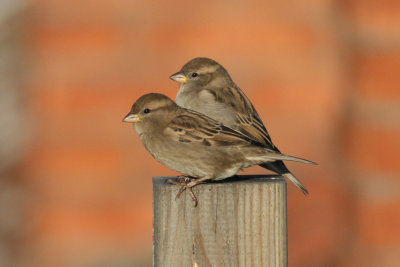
[
  {"x": 194, "y": 144},
  {"x": 206, "y": 87}
]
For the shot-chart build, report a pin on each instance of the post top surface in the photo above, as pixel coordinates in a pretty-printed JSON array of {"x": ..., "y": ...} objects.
[{"x": 162, "y": 180}]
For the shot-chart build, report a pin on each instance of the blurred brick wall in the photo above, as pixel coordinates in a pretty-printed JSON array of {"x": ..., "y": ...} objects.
[
  {"x": 13, "y": 193},
  {"x": 372, "y": 132},
  {"x": 322, "y": 74}
]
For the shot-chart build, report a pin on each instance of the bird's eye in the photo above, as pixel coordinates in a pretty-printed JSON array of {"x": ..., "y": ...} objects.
[
  {"x": 146, "y": 110},
  {"x": 195, "y": 74}
]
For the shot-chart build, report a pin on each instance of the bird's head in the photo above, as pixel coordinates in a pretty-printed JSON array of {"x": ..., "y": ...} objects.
[
  {"x": 150, "y": 112},
  {"x": 201, "y": 72}
]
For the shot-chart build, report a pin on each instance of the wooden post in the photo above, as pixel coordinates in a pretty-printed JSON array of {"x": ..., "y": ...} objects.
[{"x": 237, "y": 223}]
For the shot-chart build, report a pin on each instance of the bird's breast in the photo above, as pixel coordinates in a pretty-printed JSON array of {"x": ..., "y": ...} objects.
[{"x": 204, "y": 101}]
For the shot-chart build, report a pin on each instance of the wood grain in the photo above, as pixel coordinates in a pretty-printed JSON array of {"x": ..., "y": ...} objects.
[{"x": 240, "y": 222}]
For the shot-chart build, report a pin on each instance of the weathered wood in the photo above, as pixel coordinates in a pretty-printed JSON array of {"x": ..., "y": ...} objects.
[{"x": 240, "y": 222}]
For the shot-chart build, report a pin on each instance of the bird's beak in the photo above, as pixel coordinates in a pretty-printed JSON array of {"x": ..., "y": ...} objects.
[
  {"x": 179, "y": 77},
  {"x": 132, "y": 118}
]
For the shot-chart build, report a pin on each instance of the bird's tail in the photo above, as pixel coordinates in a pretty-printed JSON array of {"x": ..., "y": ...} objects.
[
  {"x": 278, "y": 156},
  {"x": 296, "y": 182},
  {"x": 280, "y": 168}
]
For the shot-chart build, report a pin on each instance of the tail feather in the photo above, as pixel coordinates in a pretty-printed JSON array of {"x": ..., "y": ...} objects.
[
  {"x": 278, "y": 156},
  {"x": 296, "y": 182},
  {"x": 280, "y": 168}
]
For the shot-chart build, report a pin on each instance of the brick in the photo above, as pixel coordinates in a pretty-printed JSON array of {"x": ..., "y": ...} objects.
[
  {"x": 75, "y": 170},
  {"x": 373, "y": 148},
  {"x": 116, "y": 222},
  {"x": 377, "y": 76},
  {"x": 290, "y": 97},
  {"x": 88, "y": 55},
  {"x": 273, "y": 46},
  {"x": 315, "y": 218},
  {"x": 83, "y": 116},
  {"x": 362, "y": 256},
  {"x": 375, "y": 186},
  {"x": 376, "y": 22},
  {"x": 90, "y": 98},
  {"x": 377, "y": 223},
  {"x": 71, "y": 13},
  {"x": 264, "y": 11},
  {"x": 65, "y": 68},
  {"x": 103, "y": 158},
  {"x": 377, "y": 113},
  {"x": 92, "y": 38},
  {"x": 81, "y": 175},
  {"x": 271, "y": 36},
  {"x": 59, "y": 68},
  {"x": 87, "y": 237}
]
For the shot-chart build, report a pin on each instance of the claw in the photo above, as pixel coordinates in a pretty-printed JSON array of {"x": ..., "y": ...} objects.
[
  {"x": 185, "y": 183},
  {"x": 183, "y": 187},
  {"x": 194, "y": 198}
]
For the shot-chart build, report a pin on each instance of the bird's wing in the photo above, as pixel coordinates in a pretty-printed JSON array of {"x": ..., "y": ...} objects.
[
  {"x": 193, "y": 127},
  {"x": 248, "y": 121}
]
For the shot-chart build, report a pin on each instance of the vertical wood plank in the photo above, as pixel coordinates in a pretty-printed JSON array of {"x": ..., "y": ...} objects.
[{"x": 240, "y": 222}]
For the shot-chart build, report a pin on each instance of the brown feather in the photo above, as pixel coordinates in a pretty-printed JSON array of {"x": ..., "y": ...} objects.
[{"x": 194, "y": 127}]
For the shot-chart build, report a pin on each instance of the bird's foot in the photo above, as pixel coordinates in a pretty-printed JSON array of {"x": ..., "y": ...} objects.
[{"x": 185, "y": 182}]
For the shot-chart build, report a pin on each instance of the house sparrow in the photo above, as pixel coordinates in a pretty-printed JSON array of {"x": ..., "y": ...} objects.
[
  {"x": 194, "y": 144},
  {"x": 206, "y": 87}
]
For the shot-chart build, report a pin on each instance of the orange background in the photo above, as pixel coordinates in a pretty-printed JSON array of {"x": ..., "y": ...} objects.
[{"x": 323, "y": 75}]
